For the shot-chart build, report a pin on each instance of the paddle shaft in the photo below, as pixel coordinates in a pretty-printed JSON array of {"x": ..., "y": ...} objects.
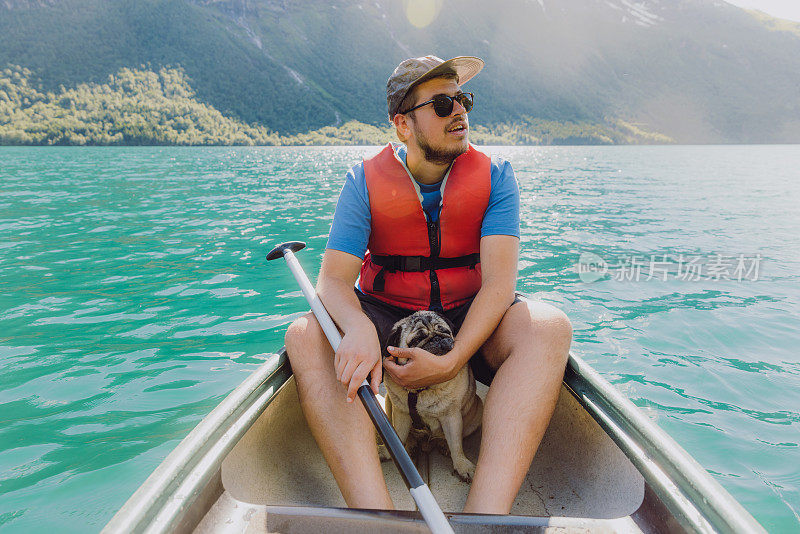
[{"x": 420, "y": 491}]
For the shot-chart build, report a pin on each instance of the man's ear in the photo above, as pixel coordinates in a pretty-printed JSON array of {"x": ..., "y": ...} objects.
[{"x": 401, "y": 127}]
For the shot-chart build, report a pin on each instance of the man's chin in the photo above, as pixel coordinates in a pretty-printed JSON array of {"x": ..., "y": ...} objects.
[
  {"x": 444, "y": 153},
  {"x": 460, "y": 147},
  {"x": 455, "y": 140}
]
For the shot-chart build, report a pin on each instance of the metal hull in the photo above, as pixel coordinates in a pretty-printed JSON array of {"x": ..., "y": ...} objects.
[{"x": 253, "y": 466}]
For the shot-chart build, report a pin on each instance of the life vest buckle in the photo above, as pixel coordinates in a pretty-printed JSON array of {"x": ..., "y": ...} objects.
[{"x": 413, "y": 263}]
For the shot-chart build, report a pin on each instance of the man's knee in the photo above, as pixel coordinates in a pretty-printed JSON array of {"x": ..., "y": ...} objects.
[
  {"x": 551, "y": 325},
  {"x": 547, "y": 317},
  {"x": 305, "y": 342}
]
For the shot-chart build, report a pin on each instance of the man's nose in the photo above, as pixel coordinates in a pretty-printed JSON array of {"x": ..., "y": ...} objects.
[{"x": 458, "y": 109}]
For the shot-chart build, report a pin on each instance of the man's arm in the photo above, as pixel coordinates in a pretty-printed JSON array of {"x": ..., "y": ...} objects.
[
  {"x": 498, "y": 280},
  {"x": 359, "y": 353},
  {"x": 499, "y": 254}
]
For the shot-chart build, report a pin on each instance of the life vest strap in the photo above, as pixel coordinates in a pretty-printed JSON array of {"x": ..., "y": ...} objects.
[
  {"x": 416, "y": 420},
  {"x": 418, "y": 264}
]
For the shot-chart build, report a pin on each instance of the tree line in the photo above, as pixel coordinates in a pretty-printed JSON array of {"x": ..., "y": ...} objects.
[{"x": 145, "y": 107}]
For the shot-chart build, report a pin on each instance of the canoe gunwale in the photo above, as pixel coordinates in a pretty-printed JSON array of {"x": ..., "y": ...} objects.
[
  {"x": 688, "y": 491},
  {"x": 161, "y": 502},
  {"x": 697, "y": 501}
]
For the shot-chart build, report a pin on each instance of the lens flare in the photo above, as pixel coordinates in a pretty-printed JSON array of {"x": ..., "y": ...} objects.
[{"x": 421, "y": 13}]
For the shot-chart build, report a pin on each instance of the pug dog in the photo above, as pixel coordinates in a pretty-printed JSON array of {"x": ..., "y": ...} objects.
[{"x": 450, "y": 409}]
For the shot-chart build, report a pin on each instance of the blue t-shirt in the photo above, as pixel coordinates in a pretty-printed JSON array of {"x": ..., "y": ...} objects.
[
  {"x": 351, "y": 221},
  {"x": 431, "y": 199}
]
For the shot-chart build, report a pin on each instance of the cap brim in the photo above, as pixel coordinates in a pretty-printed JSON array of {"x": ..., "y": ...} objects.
[{"x": 465, "y": 67}]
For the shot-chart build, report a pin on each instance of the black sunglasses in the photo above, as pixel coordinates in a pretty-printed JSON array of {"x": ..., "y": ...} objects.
[{"x": 443, "y": 104}]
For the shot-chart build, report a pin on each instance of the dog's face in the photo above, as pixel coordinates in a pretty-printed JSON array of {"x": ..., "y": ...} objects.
[{"x": 424, "y": 329}]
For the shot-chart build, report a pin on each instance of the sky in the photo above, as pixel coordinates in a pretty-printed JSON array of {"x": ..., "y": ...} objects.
[{"x": 785, "y": 9}]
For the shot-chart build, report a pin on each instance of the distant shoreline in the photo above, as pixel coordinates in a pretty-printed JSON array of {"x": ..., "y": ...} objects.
[
  {"x": 677, "y": 145},
  {"x": 146, "y": 108}
]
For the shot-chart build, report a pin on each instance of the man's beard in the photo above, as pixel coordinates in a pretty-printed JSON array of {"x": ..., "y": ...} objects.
[{"x": 437, "y": 155}]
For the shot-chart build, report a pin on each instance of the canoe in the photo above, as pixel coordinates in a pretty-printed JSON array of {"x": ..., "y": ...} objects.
[{"x": 252, "y": 465}]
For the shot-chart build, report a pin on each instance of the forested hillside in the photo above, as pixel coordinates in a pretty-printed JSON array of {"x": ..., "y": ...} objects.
[
  {"x": 692, "y": 71},
  {"x": 140, "y": 107}
]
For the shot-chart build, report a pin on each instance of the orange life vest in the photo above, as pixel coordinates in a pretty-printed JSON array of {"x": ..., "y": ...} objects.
[{"x": 416, "y": 264}]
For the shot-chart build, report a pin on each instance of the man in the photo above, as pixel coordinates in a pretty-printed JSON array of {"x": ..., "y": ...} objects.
[{"x": 423, "y": 239}]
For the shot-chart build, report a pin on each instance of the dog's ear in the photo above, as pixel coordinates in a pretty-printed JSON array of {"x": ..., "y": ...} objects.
[
  {"x": 394, "y": 339},
  {"x": 449, "y": 323}
]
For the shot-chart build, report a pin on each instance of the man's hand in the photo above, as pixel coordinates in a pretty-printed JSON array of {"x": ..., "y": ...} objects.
[
  {"x": 359, "y": 355},
  {"x": 422, "y": 368}
]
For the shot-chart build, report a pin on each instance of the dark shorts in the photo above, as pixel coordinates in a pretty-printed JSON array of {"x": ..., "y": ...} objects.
[{"x": 384, "y": 316}]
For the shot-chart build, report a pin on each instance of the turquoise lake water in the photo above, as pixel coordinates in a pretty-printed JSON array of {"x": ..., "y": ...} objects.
[{"x": 134, "y": 296}]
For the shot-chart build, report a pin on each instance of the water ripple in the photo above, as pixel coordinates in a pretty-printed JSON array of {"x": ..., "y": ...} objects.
[{"x": 134, "y": 296}]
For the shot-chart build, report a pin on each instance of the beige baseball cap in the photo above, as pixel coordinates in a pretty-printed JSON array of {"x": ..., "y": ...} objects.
[{"x": 413, "y": 71}]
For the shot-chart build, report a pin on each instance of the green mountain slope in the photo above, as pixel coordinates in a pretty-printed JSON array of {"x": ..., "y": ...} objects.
[
  {"x": 693, "y": 70},
  {"x": 132, "y": 108},
  {"x": 140, "y": 107},
  {"x": 77, "y": 41}
]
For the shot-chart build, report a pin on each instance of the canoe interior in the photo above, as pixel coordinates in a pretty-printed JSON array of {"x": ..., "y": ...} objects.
[{"x": 275, "y": 479}]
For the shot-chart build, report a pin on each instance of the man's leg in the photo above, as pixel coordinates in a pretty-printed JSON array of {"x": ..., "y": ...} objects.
[
  {"x": 529, "y": 349},
  {"x": 343, "y": 430}
]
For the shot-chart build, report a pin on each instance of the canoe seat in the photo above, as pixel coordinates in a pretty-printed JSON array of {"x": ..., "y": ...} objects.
[{"x": 252, "y": 519}]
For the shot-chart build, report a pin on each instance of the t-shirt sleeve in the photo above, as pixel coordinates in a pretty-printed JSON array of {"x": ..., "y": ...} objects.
[
  {"x": 351, "y": 220},
  {"x": 502, "y": 214}
]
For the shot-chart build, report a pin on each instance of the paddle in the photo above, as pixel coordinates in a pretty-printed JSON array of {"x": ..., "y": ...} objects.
[{"x": 420, "y": 491}]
